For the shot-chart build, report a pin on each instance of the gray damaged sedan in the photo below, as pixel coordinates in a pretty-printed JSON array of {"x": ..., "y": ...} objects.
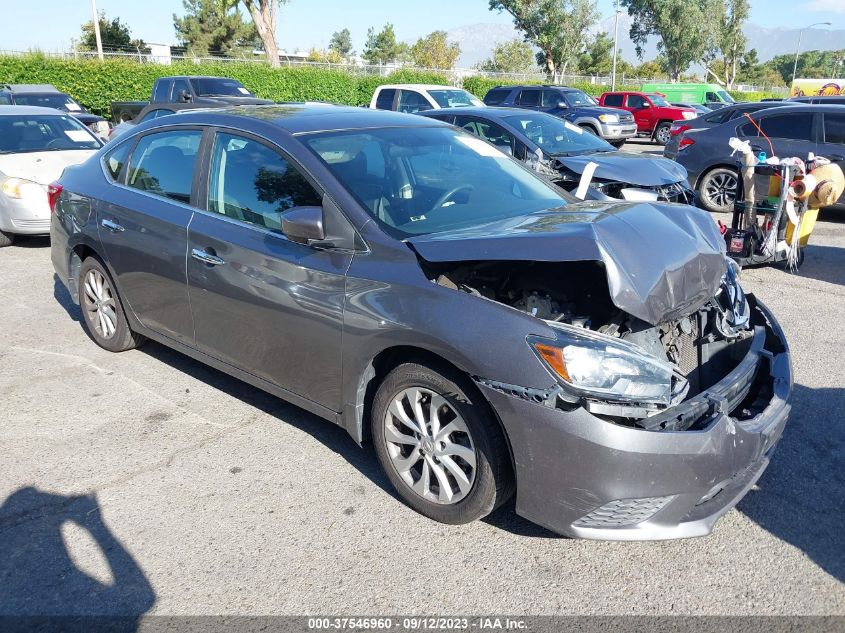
[{"x": 412, "y": 284}]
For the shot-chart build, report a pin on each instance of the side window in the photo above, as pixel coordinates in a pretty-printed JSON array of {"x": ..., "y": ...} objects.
[
  {"x": 163, "y": 164},
  {"x": 551, "y": 98},
  {"x": 5, "y": 99},
  {"x": 747, "y": 131},
  {"x": 154, "y": 114},
  {"x": 796, "y": 127},
  {"x": 529, "y": 98},
  {"x": 613, "y": 100},
  {"x": 253, "y": 183},
  {"x": 162, "y": 90},
  {"x": 711, "y": 96},
  {"x": 834, "y": 128},
  {"x": 411, "y": 101},
  {"x": 487, "y": 130},
  {"x": 384, "y": 101},
  {"x": 636, "y": 101},
  {"x": 178, "y": 86},
  {"x": 114, "y": 160},
  {"x": 720, "y": 116},
  {"x": 496, "y": 96}
]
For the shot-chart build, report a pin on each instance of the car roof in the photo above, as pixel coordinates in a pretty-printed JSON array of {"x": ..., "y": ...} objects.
[
  {"x": 303, "y": 118},
  {"x": 197, "y": 77},
  {"x": 804, "y": 107},
  {"x": 31, "y": 88},
  {"x": 538, "y": 86},
  {"x": 420, "y": 87},
  {"x": 24, "y": 110},
  {"x": 486, "y": 111}
]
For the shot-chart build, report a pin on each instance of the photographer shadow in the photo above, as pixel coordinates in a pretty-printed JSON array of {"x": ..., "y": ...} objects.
[{"x": 42, "y": 588}]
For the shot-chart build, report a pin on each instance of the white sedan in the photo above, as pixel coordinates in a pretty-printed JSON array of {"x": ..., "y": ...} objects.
[{"x": 36, "y": 144}]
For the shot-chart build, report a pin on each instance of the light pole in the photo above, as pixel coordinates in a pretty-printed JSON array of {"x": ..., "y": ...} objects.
[
  {"x": 798, "y": 47},
  {"x": 615, "y": 48},
  {"x": 97, "y": 29}
]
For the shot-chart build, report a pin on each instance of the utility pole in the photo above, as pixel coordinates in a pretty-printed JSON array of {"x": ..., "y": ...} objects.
[
  {"x": 97, "y": 29},
  {"x": 615, "y": 48},
  {"x": 798, "y": 47}
]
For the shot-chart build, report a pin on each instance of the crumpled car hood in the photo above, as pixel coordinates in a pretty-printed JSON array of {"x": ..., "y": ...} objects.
[
  {"x": 634, "y": 169},
  {"x": 663, "y": 261}
]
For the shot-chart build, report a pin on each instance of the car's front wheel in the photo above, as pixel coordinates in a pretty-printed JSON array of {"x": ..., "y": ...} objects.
[
  {"x": 102, "y": 309},
  {"x": 439, "y": 444},
  {"x": 717, "y": 190},
  {"x": 6, "y": 239}
]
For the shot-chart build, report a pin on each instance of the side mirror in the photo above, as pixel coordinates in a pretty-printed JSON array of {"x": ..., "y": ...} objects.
[
  {"x": 563, "y": 105},
  {"x": 304, "y": 225},
  {"x": 645, "y": 106},
  {"x": 185, "y": 96}
]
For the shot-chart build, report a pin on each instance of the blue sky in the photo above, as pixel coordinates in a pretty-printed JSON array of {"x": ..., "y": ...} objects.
[{"x": 51, "y": 24}]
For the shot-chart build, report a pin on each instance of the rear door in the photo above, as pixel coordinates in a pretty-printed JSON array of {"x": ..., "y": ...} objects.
[
  {"x": 143, "y": 225},
  {"x": 262, "y": 303}
]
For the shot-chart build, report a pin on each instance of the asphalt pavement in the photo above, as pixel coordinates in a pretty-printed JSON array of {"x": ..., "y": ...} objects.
[{"x": 145, "y": 482}]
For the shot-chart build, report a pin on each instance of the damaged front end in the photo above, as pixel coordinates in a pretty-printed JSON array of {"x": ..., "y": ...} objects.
[{"x": 613, "y": 364}]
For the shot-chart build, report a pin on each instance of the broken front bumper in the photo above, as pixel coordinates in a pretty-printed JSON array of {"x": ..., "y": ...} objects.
[{"x": 583, "y": 476}]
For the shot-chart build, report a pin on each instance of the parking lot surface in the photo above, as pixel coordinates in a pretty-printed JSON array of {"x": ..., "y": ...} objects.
[{"x": 145, "y": 482}]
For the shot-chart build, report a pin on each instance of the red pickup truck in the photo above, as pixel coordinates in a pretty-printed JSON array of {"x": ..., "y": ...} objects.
[{"x": 652, "y": 113}]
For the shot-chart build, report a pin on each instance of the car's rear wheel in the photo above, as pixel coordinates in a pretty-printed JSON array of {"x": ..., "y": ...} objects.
[
  {"x": 663, "y": 133},
  {"x": 617, "y": 144},
  {"x": 6, "y": 239},
  {"x": 439, "y": 445},
  {"x": 717, "y": 190},
  {"x": 102, "y": 310}
]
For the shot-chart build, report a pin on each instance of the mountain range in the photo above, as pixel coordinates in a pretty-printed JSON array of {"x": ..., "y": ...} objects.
[{"x": 478, "y": 40}]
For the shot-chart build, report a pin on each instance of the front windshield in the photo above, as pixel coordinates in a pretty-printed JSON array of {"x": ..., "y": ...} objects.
[
  {"x": 22, "y": 133},
  {"x": 557, "y": 137},
  {"x": 659, "y": 101},
  {"x": 454, "y": 98},
  {"x": 418, "y": 180},
  {"x": 55, "y": 100},
  {"x": 217, "y": 87},
  {"x": 724, "y": 96},
  {"x": 577, "y": 98}
]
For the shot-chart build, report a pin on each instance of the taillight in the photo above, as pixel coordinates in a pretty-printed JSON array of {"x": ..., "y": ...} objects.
[
  {"x": 685, "y": 142},
  {"x": 679, "y": 128},
  {"x": 54, "y": 190}
]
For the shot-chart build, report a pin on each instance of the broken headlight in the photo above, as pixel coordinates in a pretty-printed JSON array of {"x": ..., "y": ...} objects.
[{"x": 606, "y": 368}]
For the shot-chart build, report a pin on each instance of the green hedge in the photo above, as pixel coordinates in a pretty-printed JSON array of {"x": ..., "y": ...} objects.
[{"x": 96, "y": 84}]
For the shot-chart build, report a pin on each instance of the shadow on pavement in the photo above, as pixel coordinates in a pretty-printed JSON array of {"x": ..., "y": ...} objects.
[
  {"x": 63, "y": 298},
  {"x": 801, "y": 497},
  {"x": 41, "y": 585},
  {"x": 824, "y": 263}
]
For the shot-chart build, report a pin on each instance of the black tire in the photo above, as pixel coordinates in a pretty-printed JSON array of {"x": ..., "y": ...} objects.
[
  {"x": 6, "y": 239},
  {"x": 493, "y": 482},
  {"x": 717, "y": 189},
  {"x": 662, "y": 133},
  {"x": 617, "y": 144},
  {"x": 590, "y": 129},
  {"x": 118, "y": 337}
]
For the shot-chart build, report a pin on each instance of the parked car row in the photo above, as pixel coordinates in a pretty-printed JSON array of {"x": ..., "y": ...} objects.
[
  {"x": 487, "y": 332},
  {"x": 47, "y": 96}
]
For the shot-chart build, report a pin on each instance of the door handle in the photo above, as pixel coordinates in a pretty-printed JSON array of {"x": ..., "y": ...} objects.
[
  {"x": 206, "y": 257},
  {"x": 112, "y": 226}
]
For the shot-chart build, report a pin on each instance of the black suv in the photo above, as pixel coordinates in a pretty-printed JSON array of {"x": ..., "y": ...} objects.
[
  {"x": 573, "y": 105},
  {"x": 47, "y": 96}
]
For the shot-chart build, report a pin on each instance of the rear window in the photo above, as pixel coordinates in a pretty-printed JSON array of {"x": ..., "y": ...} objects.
[
  {"x": 613, "y": 100},
  {"x": 720, "y": 116},
  {"x": 496, "y": 96},
  {"x": 384, "y": 101}
]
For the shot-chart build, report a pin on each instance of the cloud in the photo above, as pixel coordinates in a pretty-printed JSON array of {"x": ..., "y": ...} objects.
[{"x": 834, "y": 6}]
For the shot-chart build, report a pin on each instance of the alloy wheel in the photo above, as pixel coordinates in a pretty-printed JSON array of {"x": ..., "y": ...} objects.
[
  {"x": 720, "y": 189},
  {"x": 429, "y": 445},
  {"x": 664, "y": 135},
  {"x": 100, "y": 304}
]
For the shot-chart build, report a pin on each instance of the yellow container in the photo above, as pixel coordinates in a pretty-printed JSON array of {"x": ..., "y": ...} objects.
[{"x": 808, "y": 223}]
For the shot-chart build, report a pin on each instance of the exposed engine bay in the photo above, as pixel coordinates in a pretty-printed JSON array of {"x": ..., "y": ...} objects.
[{"x": 702, "y": 346}]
